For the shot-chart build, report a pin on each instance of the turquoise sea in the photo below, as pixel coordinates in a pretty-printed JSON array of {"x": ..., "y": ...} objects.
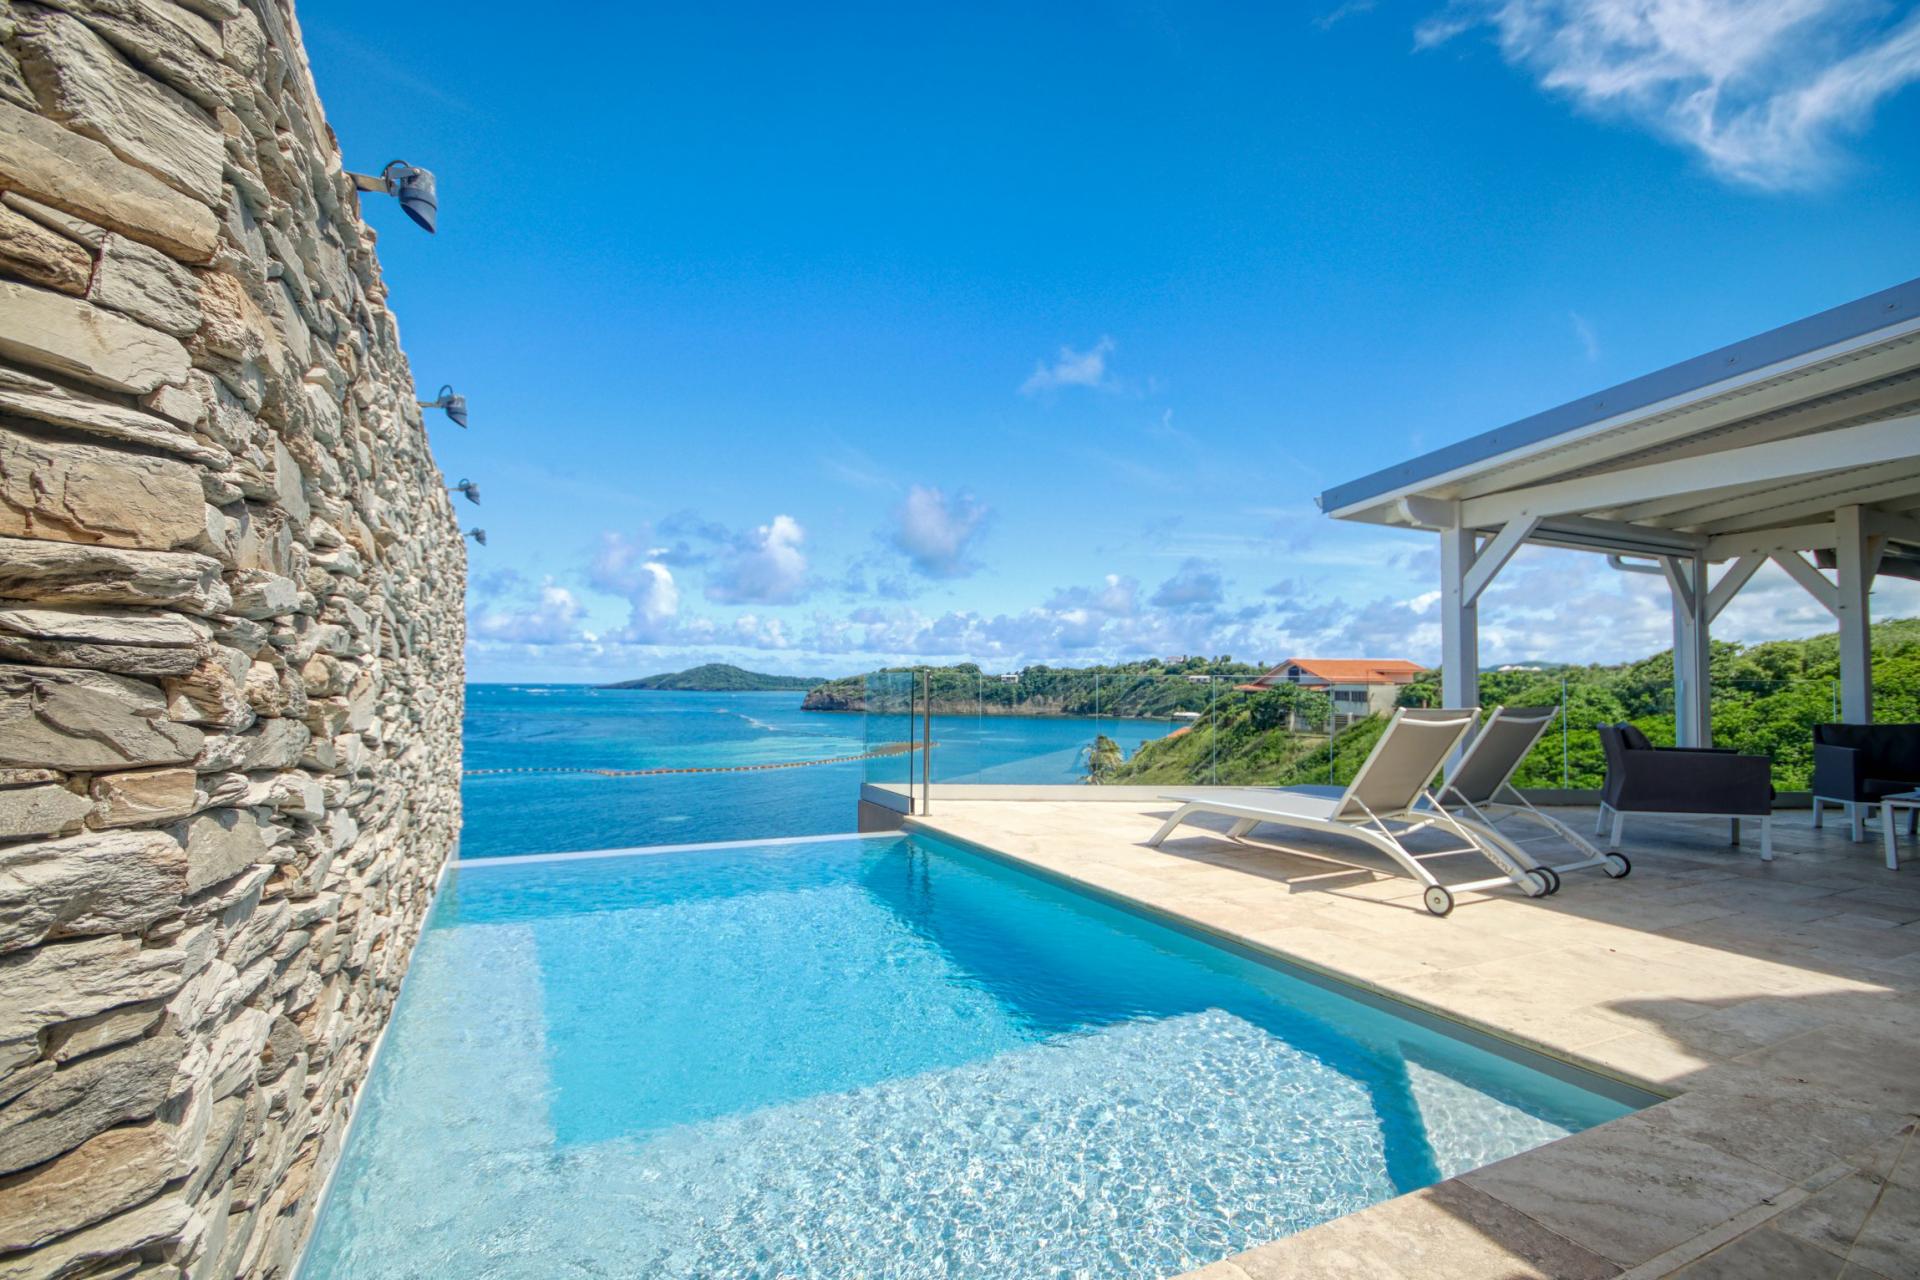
[{"x": 527, "y": 726}]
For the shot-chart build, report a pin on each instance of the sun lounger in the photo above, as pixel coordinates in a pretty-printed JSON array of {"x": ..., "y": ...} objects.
[
  {"x": 1480, "y": 789},
  {"x": 1386, "y": 802}
]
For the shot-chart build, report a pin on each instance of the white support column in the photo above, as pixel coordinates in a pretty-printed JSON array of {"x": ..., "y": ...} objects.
[
  {"x": 1857, "y": 562},
  {"x": 1692, "y": 694},
  {"x": 1459, "y": 621}
]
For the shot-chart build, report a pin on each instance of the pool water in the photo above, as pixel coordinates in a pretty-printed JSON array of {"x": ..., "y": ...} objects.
[{"x": 880, "y": 1057}]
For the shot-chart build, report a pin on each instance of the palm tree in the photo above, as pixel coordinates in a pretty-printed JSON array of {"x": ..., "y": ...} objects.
[{"x": 1103, "y": 757}]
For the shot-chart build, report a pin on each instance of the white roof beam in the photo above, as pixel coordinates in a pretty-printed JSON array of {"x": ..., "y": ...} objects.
[
  {"x": 1847, "y": 407},
  {"x": 1893, "y": 440},
  {"x": 1761, "y": 504},
  {"x": 1819, "y": 373},
  {"x": 1696, "y": 509},
  {"x": 1584, "y": 533},
  {"x": 1419, "y": 513},
  {"x": 1888, "y": 524},
  {"x": 1676, "y": 508},
  {"x": 1883, "y": 484},
  {"x": 1764, "y": 542},
  {"x": 1641, "y": 535}
]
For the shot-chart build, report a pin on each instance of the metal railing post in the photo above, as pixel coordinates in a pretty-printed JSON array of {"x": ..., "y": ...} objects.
[
  {"x": 1333, "y": 738},
  {"x": 913, "y": 757},
  {"x": 1566, "y": 770},
  {"x": 926, "y": 741}
]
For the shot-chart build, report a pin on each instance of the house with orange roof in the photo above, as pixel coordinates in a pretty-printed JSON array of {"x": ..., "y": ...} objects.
[{"x": 1357, "y": 686}]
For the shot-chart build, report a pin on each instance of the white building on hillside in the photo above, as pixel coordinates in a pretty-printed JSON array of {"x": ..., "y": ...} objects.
[{"x": 1357, "y": 686}]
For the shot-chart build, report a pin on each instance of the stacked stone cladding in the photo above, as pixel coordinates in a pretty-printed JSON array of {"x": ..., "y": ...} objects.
[{"x": 230, "y": 642}]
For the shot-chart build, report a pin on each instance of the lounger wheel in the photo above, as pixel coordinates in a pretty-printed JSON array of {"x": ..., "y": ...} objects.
[
  {"x": 1438, "y": 900},
  {"x": 1548, "y": 880},
  {"x": 1617, "y": 866}
]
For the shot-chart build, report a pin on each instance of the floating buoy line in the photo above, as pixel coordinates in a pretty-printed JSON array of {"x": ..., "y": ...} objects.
[{"x": 879, "y": 752}]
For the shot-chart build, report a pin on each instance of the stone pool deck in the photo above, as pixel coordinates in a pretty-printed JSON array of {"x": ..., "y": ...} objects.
[{"x": 1778, "y": 1004}]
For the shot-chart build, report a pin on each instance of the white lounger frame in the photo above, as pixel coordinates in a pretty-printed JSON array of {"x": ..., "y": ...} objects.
[
  {"x": 1418, "y": 812},
  {"x": 1490, "y": 804}
]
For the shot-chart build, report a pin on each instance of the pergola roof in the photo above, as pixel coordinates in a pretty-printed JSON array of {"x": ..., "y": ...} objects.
[{"x": 1745, "y": 450}]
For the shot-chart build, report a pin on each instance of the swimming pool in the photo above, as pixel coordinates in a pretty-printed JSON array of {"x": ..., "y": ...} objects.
[{"x": 880, "y": 1057}]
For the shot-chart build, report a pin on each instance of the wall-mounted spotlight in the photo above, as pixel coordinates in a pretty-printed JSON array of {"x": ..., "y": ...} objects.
[
  {"x": 412, "y": 187},
  {"x": 455, "y": 405},
  {"x": 478, "y": 535},
  {"x": 469, "y": 488}
]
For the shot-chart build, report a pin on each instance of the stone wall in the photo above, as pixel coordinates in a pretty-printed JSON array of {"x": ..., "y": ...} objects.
[{"x": 230, "y": 641}]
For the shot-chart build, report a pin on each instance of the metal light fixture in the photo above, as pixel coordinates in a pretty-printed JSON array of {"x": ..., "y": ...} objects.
[
  {"x": 411, "y": 186},
  {"x": 478, "y": 534},
  {"x": 455, "y": 405},
  {"x": 469, "y": 488}
]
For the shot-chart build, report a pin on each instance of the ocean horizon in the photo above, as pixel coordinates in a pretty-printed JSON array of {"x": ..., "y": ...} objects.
[{"x": 529, "y": 725}]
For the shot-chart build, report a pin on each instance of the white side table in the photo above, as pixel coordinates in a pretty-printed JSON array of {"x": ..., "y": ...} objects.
[{"x": 1889, "y": 807}]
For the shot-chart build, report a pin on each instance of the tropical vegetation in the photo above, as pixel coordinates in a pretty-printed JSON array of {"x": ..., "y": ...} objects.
[
  {"x": 1154, "y": 688},
  {"x": 1766, "y": 699}
]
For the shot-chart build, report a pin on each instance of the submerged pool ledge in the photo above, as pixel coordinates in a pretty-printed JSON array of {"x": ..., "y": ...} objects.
[
  {"x": 1776, "y": 1007},
  {"x": 1492, "y": 1037}
]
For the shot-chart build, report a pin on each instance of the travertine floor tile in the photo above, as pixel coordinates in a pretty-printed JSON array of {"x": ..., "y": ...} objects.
[
  {"x": 1776, "y": 1126},
  {"x": 1628, "y": 1190},
  {"x": 1864, "y": 1220},
  {"x": 1771, "y": 1255},
  {"x": 1448, "y": 1230}
]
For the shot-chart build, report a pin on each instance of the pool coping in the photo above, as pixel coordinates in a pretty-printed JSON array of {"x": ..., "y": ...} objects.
[{"x": 647, "y": 850}]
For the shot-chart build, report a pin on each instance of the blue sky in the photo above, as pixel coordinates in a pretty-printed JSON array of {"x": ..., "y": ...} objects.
[{"x": 811, "y": 337}]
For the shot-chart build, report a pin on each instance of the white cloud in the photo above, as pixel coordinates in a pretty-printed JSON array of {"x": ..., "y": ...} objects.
[
  {"x": 553, "y": 617},
  {"x": 1589, "y": 341},
  {"x": 1197, "y": 585},
  {"x": 1117, "y": 597},
  {"x": 937, "y": 532},
  {"x": 756, "y": 632},
  {"x": 655, "y": 600},
  {"x": 767, "y": 567},
  {"x": 1547, "y": 605},
  {"x": 1340, "y": 13},
  {"x": 629, "y": 571},
  {"x": 1072, "y": 369},
  {"x": 1760, "y": 91}
]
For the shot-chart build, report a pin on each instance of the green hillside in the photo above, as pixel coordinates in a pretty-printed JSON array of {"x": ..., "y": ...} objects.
[
  {"x": 1766, "y": 698},
  {"x": 1243, "y": 742},
  {"x": 718, "y": 677},
  {"x": 1150, "y": 689}
]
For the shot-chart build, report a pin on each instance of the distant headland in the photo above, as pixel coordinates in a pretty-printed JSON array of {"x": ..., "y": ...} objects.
[{"x": 719, "y": 677}]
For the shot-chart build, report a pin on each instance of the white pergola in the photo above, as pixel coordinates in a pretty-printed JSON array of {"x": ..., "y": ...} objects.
[{"x": 1802, "y": 440}]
